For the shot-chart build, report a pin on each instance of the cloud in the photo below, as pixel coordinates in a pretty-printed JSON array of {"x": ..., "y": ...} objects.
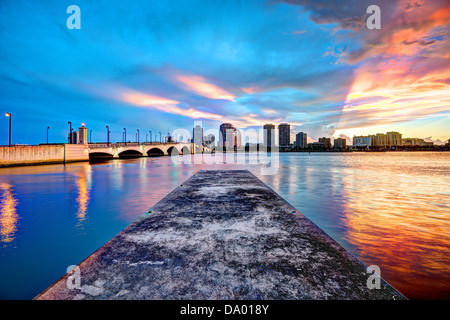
[
  {"x": 201, "y": 86},
  {"x": 435, "y": 141},
  {"x": 313, "y": 63}
]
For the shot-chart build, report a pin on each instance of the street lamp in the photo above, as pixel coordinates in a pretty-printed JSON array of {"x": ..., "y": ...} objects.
[
  {"x": 70, "y": 134},
  {"x": 47, "y": 134},
  {"x": 8, "y": 115},
  {"x": 150, "y": 135},
  {"x": 160, "y": 141},
  {"x": 107, "y": 135},
  {"x": 125, "y": 135},
  {"x": 138, "y": 135}
]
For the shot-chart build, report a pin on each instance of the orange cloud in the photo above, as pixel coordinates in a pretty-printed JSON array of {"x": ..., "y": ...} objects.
[
  {"x": 201, "y": 86},
  {"x": 405, "y": 76},
  {"x": 163, "y": 104}
]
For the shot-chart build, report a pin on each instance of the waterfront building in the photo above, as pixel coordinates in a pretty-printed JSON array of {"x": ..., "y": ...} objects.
[
  {"x": 326, "y": 142},
  {"x": 284, "y": 135},
  {"x": 340, "y": 143},
  {"x": 316, "y": 146},
  {"x": 379, "y": 140},
  {"x": 237, "y": 139},
  {"x": 416, "y": 142},
  {"x": 300, "y": 140},
  {"x": 269, "y": 135},
  {"x": 362, "y": 141},
  {"x": 209, "y": 139},
  {"x": 197, "y": 134},
  {"x": 229, "y": 136},
  {"x": 393, "y": 139},
  {"x": 226, "y": 135}
]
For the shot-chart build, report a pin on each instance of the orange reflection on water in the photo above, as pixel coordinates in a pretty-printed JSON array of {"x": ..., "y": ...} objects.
[
  {"x": 83, "y": 195},
  {"x": 8, "y": 213},
  {"x": 399, "y": 222}
]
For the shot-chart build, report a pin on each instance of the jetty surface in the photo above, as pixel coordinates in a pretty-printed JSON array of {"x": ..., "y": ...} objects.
[{"x": 222, "y": 234}]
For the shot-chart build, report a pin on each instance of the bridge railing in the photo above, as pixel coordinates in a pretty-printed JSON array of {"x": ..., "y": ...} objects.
[{"x": 127, "y": 144}]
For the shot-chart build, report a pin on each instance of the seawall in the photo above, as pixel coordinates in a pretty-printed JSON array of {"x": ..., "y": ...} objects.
[
  {"x": 220, "y": 235},
  {"x": 42, "y": 154}
]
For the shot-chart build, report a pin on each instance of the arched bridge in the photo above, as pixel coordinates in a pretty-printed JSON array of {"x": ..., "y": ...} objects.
[{"x": 134, "y": 149}]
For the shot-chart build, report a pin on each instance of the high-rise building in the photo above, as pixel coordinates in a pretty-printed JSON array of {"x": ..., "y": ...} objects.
[
  {"x": 269, "y": 135},
  {"x": 229, "y": 136},
  {"x": 326, "y": 142},
  {"x": 284, "y": 134},
  {"x": 379, "y": 140},
  {"x": 197, "y": 134},
  {"x": 237, "y": 139},
  {"x": 393, "y": 139},
  {"x": 340, "y": 143},
  {"x": 362, "y": 141},
  {"x": 209, "y": 139},
  {"x": 301, "y": 140}
]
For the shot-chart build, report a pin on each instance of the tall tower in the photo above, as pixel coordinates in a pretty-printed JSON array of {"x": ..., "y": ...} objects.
[
  {"x": 269, "y": 135},
  {"x": 301, "y": 140},
  {"x": 284, "y": 134},
  {"x": 226, "y": 135},
  {"x": 197, "y": 134},
  {"x": 82, "y": 135}
]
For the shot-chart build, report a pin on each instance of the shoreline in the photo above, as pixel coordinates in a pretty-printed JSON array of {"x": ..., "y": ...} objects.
[{"x": 99, "y": 160}]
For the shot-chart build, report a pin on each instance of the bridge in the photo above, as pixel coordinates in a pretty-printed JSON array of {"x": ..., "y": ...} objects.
[{"x": 146, "y": 149}]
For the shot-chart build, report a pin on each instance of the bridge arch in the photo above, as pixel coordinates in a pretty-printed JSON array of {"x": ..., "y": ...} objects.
[
  {"x": 100, "y": 155},
  {"x": 130, "y": 154},
  {"x": 155, "y": 152},
  {"x": 173, "y": 151},
  {"x": 185, "y": 150}
]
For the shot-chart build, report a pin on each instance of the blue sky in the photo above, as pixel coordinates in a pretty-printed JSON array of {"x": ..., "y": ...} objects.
[{"x": 161, "y": 65}]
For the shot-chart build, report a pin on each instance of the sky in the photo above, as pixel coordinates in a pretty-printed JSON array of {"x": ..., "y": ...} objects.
[{"x": 164, "y": 65}]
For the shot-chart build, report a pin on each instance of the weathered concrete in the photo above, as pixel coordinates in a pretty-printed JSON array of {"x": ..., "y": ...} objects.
[
  {"x": 221, "y": 235},
  {"x": 42, "y": 154}
]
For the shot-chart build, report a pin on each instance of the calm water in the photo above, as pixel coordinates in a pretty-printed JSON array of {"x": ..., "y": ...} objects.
[{"x": 388, "y": 209}]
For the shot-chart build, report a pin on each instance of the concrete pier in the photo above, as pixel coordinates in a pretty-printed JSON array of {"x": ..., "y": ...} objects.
[{"x": 221, "y": 235}]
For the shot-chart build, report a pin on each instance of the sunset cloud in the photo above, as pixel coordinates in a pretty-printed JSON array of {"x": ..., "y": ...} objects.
[
  {"x": 165, "y": 105},
  {"x": 311, "y": 63},
  {"x": 201, "y": 86}
]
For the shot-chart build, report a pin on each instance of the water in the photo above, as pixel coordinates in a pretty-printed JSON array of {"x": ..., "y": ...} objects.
[{"x": 389, "y": 209}]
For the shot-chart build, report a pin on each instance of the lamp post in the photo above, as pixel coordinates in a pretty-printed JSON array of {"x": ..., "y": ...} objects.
[
  {"x": 107, "y": 135},
  {"x": 8, "y": 115},
  {"x": 138, "y": 135},
  {"x": 70, "y": 132},
  {"x": 125, "y": 135},
  {"x": 160, "y": 141},
  {"x": 150, "y": 135},
  {"x": 47, "y": 134}
]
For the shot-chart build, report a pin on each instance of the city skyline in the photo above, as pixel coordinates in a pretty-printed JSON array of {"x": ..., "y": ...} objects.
[{"x": 153, "y": 66}]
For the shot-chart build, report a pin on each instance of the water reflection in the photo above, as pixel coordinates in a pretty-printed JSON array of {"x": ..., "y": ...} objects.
[
  {"x": 83, "y": 181},
  {"x": 389, "y": 209},
  {"x": 402, "y": 225},
  {"x": 8, "y": 213}
]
